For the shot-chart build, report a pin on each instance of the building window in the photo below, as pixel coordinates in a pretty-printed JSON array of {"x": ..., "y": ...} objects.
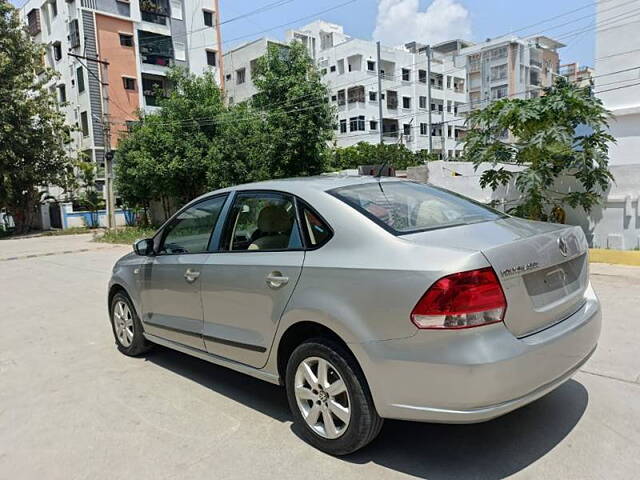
[
  {"x": 84, "y": 123},
  {"x": 449, "y": 131},
  {"x": 498, "y": 92},
  {"x": 499, "y": 72},
  {"x": 33, "y": 22},
  {"x": 406, "y": 129},
  {"x": 323, "y": 72},
  {"x": 373, "y": 96},
  {"x": 422, "y": 101},
  {"x": 333, "y": 68},
  {"x": 500, "y": 52},
  {"x": 371, "y": 65},
  {"x": 422, "y": 76},
  {"x": 126, "y": 39},
  {"x": 80, "y": 77},
  {"x": 424, "y": 128},
  {"x": 334, "y": 98},
  {"x": 406, "y": 74},
  {"x": 343, "y": 126},
  {"x": 342, "y": 97},
  {"x": 240, "y": 76},
  {"x": 406, "y": 102},
  {"x": 449, "y": 106},
  {"x": 392, "y": 99},
  {"x": 211, "y": 58},
  {"x": 74, "y": 33},
  {"x": 373, "y": 125},
  {"x": 208, "y": 18},
  {"x": 448, "y": 81},
  {"x": 228, "y": 77},
  {"x": 356, "y": 124},
  {"x": 57, "y": 51},
  {"x": 62, "y": 93},
  {"x": 129, "y": 83},
  {"x": 355, "y": 94}
]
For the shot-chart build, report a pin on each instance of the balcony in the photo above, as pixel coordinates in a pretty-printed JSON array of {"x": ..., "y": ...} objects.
[
  {"x": 33, "y": 22},
  {"x": 154, "y": 11},
  {"x": 155, "y": 49},
  {"x": 153, "y": 88}
]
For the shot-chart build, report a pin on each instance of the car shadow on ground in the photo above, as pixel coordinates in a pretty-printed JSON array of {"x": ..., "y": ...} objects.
[{"x": 493, "y": 449}]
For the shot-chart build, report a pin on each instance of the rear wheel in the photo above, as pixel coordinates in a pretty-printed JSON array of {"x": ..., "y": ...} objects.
[
  {"x": 127, "y": 328},
  {"x": 329, "y": 397}
]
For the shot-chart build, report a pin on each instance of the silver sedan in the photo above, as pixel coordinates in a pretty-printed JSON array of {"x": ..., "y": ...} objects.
[{"x": 366, "y": 298}]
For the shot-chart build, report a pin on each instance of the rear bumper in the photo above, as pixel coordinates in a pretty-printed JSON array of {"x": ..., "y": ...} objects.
[{"x": 477, "y": 374}]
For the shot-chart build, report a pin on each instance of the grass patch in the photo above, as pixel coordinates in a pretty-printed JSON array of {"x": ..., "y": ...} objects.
[
  {"x": 69, "y": 231},
  {"x": 616, "y": 257},
  {"x": 125, "y": 235}
]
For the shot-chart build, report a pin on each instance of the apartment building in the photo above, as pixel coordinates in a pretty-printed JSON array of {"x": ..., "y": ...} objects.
[
  {"x": 140, "y": 40},
  {"x": 509, "y": 66},
  {"x": 349, "y": 68},
  {"x": 580, "y": 75}
]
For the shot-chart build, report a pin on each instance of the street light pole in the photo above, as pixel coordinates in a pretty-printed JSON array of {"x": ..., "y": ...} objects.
[
  {"x": 380, "y": 120},
  {"x": 428, "y": 52},
  {"x": 106, "y": 128}
]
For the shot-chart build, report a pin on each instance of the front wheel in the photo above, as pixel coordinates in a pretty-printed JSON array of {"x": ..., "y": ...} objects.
[
  {"x": 127, "y": 328},
  {"x": 329, "y": 397}
]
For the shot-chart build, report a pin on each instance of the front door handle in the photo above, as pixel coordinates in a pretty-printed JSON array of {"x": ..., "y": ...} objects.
[
  {"x": 276, "y": 280},
  {"x": 191, "y": 275}
]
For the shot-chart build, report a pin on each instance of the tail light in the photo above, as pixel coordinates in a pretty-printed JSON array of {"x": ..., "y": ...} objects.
[{"x": 462, "y": 300}]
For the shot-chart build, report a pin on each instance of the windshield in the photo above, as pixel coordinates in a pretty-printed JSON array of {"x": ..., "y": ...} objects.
[{"x": 407, "y": 207}]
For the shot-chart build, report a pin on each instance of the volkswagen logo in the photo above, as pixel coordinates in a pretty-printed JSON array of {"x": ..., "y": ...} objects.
[{"x": 562, "y": 245}]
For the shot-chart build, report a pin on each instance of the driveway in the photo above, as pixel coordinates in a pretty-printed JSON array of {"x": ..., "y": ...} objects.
[{"x": 71, "y": 406}]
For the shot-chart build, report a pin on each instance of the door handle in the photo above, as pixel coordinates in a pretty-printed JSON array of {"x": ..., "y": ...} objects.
[
  {"x": 191, "y": 275},
  {"x": 276, "y": 280}
]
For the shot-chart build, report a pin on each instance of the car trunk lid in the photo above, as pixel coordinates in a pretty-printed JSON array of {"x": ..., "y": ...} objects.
[{"x": 543, "y": 268}]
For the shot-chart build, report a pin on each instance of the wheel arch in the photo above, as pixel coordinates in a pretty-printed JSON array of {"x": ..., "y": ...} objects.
[{"x": 296, "y": 334}]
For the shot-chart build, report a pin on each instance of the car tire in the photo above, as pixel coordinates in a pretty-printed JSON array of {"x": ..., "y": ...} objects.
[
  {"x": 337, "y": 437},
  {"x": 126, "y": 326}
]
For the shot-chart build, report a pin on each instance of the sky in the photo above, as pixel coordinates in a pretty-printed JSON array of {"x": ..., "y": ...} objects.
[{"x": 395, "y": 22}]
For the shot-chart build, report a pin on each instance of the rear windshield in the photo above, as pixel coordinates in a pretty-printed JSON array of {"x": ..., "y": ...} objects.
[{"x": 407, "y": 207}]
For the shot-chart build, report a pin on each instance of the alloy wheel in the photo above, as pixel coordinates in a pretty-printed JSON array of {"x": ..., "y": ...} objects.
[
  {"x": 322, "y": 397},
  {"x": 123, "y": 323}
]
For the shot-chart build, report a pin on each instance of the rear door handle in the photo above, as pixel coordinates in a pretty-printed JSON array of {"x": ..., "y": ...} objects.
[
  {"x": 276, "y": 280},
  {"x": 191, "y": 275}
]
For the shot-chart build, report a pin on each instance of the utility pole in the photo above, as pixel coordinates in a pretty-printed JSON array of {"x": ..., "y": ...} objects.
[
  {"x": 106, "y": 128},
  {"x": 380, "y": 120},
  {"x": 428, "y": 52}
]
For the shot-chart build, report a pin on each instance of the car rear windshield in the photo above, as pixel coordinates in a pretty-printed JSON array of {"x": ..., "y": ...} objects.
[{"x": 407, "y": 207}]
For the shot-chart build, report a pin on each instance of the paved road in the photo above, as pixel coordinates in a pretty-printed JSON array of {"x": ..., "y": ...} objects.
[{"x": 72, "y": 407}]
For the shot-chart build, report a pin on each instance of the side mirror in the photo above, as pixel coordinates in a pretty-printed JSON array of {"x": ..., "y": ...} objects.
[{"x": 143, "y": 247}]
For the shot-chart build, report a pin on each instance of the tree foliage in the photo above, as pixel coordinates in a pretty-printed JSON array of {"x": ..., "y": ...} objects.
[
  {"x": 545, "y": 141},
  {"x": 195, "y": 143},
  {"x": 396, "y": 156},
  {"x": 32, "y": 129},
  {"x": 169, "y": 154}
]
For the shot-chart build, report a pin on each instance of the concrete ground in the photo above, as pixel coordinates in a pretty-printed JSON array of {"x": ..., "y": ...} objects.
[{"x": 72, "y": 407}]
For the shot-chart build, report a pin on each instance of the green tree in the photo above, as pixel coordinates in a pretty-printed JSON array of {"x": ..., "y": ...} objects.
[
  {"x": 32, "y": 129},
  {"x": 397, "y": 156},
  {"x": 293, "y": 104},
  {"x": 169, "y": 154},
  {"x": 544, "y": 142}
]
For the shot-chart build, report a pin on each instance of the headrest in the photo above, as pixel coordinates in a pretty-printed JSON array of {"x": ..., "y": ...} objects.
[{"x": 274, "y": 219}]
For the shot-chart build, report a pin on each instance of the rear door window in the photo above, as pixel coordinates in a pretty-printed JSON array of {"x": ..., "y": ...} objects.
[
  {"x": 262, "y": 221},
  {"x": 316, "y": 231},
  {"x": 407, "y": 207}
]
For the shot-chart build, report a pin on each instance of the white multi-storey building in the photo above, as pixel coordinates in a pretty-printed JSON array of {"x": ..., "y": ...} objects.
[
  {"x": 140, "y": 40},
  {"x": 509, "y": 66},
  {"x": 348, "y": 66}
]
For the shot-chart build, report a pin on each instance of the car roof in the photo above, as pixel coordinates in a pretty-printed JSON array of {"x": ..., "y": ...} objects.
[{"x": 302, "y": 184}]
